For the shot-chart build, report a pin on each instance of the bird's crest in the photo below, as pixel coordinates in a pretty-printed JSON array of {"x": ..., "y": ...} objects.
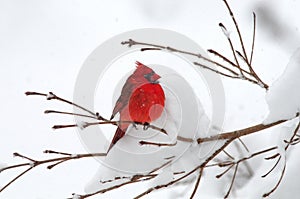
[{"x": 141, "y": 67}]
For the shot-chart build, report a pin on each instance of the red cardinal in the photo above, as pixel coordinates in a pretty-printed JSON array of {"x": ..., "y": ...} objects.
[{"x": 142, "y": 100}]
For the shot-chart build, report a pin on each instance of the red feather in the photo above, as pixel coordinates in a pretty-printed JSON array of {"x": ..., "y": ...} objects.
[{"x": 142, "y": 100}]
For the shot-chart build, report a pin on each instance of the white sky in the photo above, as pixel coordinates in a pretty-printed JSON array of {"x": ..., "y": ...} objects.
[{"x": 44, "y": 43}]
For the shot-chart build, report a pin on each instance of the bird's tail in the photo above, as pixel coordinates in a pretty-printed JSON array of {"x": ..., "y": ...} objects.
[{"x": 118, "y": 135}]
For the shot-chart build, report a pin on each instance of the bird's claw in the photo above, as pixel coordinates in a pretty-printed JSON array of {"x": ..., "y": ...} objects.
[
  {"x": 146, "y": 125},
  {"x": 134, "y": 124}
]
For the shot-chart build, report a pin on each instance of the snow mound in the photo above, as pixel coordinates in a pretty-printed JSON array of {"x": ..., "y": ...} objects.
[
  {"x": 2, "y": 166},
  {"x": 283, "y": 97}
]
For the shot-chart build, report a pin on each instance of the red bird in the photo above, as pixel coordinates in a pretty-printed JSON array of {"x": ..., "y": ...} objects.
[{"x": 142, "y": 100}]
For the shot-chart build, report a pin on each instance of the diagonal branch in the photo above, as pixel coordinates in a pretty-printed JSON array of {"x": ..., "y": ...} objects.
[
  {"x": 197, "y": 182},
  {"x": 237, "y": 28},
  {"x": 253, "y": 38},
  {"x": 34, "y": 163}
]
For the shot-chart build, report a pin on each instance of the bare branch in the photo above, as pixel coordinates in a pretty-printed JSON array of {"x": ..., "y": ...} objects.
[
  {"x": 92, "y": 115},
  {"x": 116, "y": 123},
  {"x": 227, "y": 60},
  {"x": 187, "y": 174},
  {"x": 232, "y": 181},
  {"x": 156, "y": 143},
  {"x": 231, "y": 164},
  {"x": 264, "y": 85},
  {"x": 234, "y": 71},
  {"x": 234, "y": 75},
  {"x": 289, "y": 143},
  {"x": 70, "y": 113},
  {"x": 228, "y": 155},
  {"x": 274, "y": 166},
  {"x": 237, "y": 28},
  {"x": 224, "y": 172},
  {"x": 52, "y": 96},
  {"x": 215, "y": 71},
  {"x": 133, "y": 179},
  {"x": 197, "y": 182},
  {"x": 240, "y": 133},
  {"x": 34, "y": 163},
  {"x": 232, "y": 49},
  {"x": 111, "y": 188},
  {"x": 57, "y": 152},
  {"x": 278, "y": 183},
  {"x": 293, "y": 136},
  {"x": 17, "y": 177},
  {"x": 253, "y": 38}
]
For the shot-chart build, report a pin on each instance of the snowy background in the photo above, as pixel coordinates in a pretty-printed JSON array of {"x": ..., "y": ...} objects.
[{"x": 44, "y": 43}]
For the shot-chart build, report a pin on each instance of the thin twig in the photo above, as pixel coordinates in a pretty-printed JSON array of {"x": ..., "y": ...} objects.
[
  {"x": 244, "y": 145},
  {"x": 131, "y": 42},
  {"x": 231, "y": 164},
  {"x": 237, "y": 28},
  {"x": 157, "y": 143},
  {"x": 111, "y": 188},
  {"x": 134, "y": 179},
  {"x": 23, "y": 156},
  {"x": 96, "y": 115},
  {"x": 253, "y": 38},
  {"x": 289, "y": 143},
  {"x": 264, "y": 85},
  {"x": 52, "y": 96},
  {"x": 230, "y": 156},
  {"x": 225, "y": 171},
  {"x": 274, "y": 166},
  {"x": 293, "y": 136},
  {"x": 57, "y": 152},
  {"x": 70, "y": 113},
  {"x": 232, "y": 49},
  {"x": 257, "y": 80},
  {"x": 34, "y": 163},
  {"x": 232, "y": 181},
  {"x": 215, "y": 71},
  {"x": 278, "y": 183},
  {"x": 187, "y": 174},
  {"x": 197, "y": 183},
  {"x": 17, "y": 177},
  {"x": 116, "y": 123},
  {"x": 160, "y": 167},
  {"x": 228, "y": 61}
]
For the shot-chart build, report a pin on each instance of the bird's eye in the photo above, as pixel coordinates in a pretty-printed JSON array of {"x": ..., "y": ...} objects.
[{"x": 149, "y": 76}]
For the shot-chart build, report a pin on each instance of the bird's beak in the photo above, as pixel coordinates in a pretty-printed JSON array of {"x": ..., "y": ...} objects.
[{"x": 154, "y": 78}]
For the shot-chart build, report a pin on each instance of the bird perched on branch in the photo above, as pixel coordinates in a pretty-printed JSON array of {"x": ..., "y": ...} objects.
[{"x": 142, "y": 100}]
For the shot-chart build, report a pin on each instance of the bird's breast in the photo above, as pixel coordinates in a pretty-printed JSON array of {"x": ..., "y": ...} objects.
[{"x": 146, "y": 103}]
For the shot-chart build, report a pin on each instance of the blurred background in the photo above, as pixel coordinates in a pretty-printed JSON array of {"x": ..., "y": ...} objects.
[{"x": 44, "y": 43}]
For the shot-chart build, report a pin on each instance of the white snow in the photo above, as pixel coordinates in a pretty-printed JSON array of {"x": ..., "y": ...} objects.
[
  {"x": 32, "y": 164},
  {"x": 76, "y": 196},
  {"x": 23, "y": 45},
  {"x": 225, "y": 32},
  {"x": 2, "y": 166},
  {"x": 164, "y": 177},
  {"x": 283, "y": 97},
  {"x": 74, "y": 155},
  {"x": 183, "y": 116},
  {"x": 49, "y": 96},
  {"x": 81, "y": 124}
]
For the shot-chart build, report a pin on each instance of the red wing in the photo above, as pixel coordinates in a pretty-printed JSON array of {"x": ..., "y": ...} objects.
[
  {"x": 118, "y": 135},
  {"x": 123, "y": 99}
]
